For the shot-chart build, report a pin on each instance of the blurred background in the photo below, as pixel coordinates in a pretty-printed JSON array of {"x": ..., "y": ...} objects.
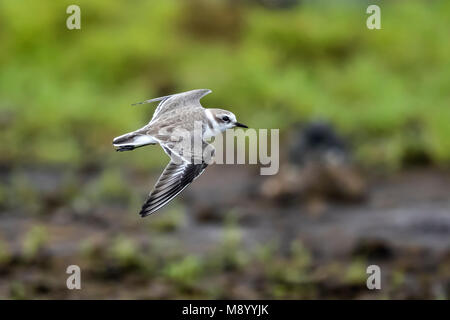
[{"x": 365, "y": 150}]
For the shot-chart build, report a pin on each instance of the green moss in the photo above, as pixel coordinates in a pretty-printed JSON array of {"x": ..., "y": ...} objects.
[
  {"x": 34, "y": 241},
  {"x": 291, "y": 276},
  {"x": 185, "y": 272},
  {"x": 17, "y": 291},
  {"x": 398, "y": 278},
  {"x": 356, "y": 273},
  {"x": 5, "y": 254},
  {"x": 231, "y": 255},
  {"x": 125, "y": 252},
  {"x": 22, "y": 195},
  {"x": 171, "y": 220}
]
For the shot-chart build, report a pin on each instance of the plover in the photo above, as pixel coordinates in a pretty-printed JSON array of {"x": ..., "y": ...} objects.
[{"x": 175, "y": 122}]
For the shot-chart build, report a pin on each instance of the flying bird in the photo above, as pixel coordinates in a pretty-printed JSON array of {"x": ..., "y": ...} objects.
[{"x": 177, "y": 120}]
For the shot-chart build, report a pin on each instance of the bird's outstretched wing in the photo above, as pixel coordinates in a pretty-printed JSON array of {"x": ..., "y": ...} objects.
[
  {"x": 174, "y": 179},
  {"x": 179, "y": 100},
  {"x": 178, "y": 174}
]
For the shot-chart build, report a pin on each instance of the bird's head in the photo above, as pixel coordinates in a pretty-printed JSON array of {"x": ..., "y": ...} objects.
[{"x": 224, "y": 119}]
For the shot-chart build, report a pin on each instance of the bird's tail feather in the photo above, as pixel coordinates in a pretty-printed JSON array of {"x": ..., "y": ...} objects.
[{"x": 132, "y": 141}]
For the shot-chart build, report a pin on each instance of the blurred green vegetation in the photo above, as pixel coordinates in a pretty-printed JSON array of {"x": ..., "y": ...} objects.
[
  {"x": 65, "y": 94},
  {"x": 34, "y": 242},
  {"x": 5, "y": 255}
]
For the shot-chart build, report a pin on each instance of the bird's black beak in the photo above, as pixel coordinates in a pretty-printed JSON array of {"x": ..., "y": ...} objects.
[{"x": 240, "y": 125}]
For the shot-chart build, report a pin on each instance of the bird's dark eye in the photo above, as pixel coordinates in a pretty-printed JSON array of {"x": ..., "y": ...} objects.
[{"x": 225, "y": 118}]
